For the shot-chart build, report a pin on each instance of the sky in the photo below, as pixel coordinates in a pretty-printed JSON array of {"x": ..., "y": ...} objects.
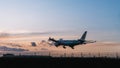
[{"x": 101, "y": 18}]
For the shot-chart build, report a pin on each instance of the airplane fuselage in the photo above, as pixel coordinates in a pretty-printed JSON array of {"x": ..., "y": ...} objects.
[{"x": 68, "y": 42}]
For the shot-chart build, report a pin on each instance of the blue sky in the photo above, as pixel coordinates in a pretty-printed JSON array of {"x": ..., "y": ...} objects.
[{"x": 100, "y": 17}]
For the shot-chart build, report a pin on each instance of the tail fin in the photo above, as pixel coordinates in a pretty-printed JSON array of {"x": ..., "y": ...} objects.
[{"x": 83, "y": 36}]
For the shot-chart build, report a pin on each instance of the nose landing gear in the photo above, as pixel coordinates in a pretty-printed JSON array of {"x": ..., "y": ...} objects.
[{"x": 64, "y": 47}]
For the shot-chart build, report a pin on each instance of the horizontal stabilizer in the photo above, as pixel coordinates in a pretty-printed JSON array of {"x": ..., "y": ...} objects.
[{"x": 52, "y": 39}]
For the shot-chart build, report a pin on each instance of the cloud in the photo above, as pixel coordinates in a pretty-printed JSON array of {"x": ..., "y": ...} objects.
[{"x": 44, "y": 49}]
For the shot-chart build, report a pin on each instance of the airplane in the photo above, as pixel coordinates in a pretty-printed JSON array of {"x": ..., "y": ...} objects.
[{"x": 71, "y": 43}]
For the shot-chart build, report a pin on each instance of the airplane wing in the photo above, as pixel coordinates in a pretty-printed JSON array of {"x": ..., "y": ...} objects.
[{"x": 89, "y": 41}]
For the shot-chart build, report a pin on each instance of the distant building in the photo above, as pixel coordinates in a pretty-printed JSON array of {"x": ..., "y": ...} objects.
[
  {"x": 8, "y": 55},
  {"x": 33, "y": 44}
]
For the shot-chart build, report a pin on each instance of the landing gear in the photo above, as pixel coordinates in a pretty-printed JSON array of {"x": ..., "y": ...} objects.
[
  {"x": 64, "y": 47},
  {"x": 56, "y": 45},
  {"x": 72, "y": 47}
]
